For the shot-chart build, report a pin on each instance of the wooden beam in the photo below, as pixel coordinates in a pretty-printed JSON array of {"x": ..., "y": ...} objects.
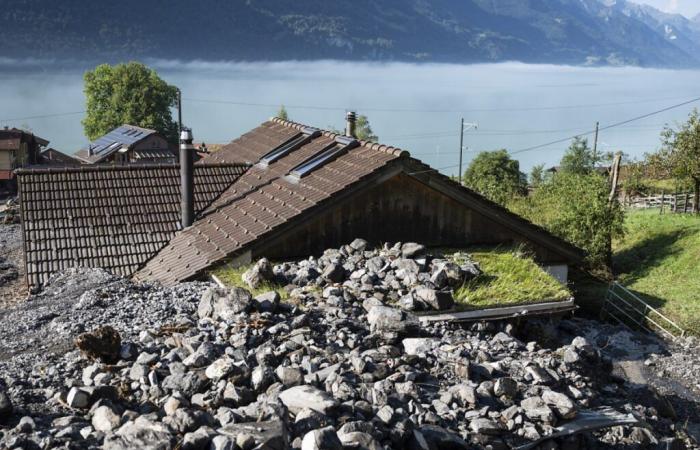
[{"x": 503, "y": 312}]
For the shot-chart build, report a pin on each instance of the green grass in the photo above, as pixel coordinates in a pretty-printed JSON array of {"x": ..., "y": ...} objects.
[
  {"x": 233, "y": 278},
  {"x": 509, "y": 278},
  {"x": 659, "y": 258}
]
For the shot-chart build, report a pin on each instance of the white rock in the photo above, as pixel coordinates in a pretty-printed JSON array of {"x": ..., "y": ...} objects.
[
  {"x": 104, "y": 419},
  {"x": 299, "y": 397}
]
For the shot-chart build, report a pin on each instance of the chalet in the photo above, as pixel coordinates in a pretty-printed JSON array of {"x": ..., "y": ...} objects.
[
  {"x": 18, "y": 148},
  {"x": 281, "y": 190},
  {"x": 127, "y": 144},
  {"x": 52, "y": 157}
]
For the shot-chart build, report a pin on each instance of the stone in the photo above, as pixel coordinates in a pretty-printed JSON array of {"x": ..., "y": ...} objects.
[
  {"x": 105, "y": 419},
  {"x": 562, "y": 405},
  {"x": 438, "y": 438},
  {"x": 103, "y": 344},
  {"x": 465, "y": 393},
  {"x": 437, "y": 300},
  {"x": 224, "y": 304},
  {"x": 484, "y": 426},
  {"x": 535, "y": 408},
  {"x": 26, "y": 425},
  {"x": 223, "y": 443},
  {"x": 505, "y": 386},
  {"x": 198, "y": 439},
  {"x": 307, "y": 419},
  {"x": 78, "y": 398},
  {"x": 267, "y": 435},
  {"x": 359, "y": 440},
  {"x": 142, "y": 434},
  {"x": 359, "y": 245},
  {"x": 299, "y": 397},
  {"x": 289, "y": 376},
  {"x": 321, "y": 439},
  {"x": 220, "y": 368},
  {"x": 419, "y": 346},
  {"x": 267, "y": 302},
  {"x": 412, "y": 250},
  {"x": 334, "y": 273},
  {"x": 5, "y": 405},
  {"x": 384, "y": 318},
  {"x": 260, "y": 273},
  {"x": 245, "y": 441}
]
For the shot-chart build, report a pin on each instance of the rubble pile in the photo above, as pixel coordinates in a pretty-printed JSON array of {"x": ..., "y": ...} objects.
[
  {"x": 343, "y": 363},
  {"x": 9, "y": 213}
]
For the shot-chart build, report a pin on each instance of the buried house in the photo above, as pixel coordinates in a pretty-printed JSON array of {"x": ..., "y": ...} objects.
[{"x": 281, "y": 190}]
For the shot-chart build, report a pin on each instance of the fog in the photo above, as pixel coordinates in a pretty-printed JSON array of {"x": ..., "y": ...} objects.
[{"x": 416, "y": 107}]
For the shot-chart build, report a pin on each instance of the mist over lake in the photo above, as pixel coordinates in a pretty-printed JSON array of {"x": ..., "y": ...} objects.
[{"x": 416, "y": 107}]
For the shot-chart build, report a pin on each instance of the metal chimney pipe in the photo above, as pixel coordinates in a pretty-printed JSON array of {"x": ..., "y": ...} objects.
[
  {"x": 186, "y": 177},
  {"x": 350, "y": 120}
]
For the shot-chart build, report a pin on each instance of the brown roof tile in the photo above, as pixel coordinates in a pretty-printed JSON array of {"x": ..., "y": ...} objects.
[{"x": 114, "y": 217}]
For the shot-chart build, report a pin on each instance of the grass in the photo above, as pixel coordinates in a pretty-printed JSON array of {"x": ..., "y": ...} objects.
[
  {"x": 233, "y": 278},
  {"x": 658, "y": 258},
  {"x": 509, "y": 278}
]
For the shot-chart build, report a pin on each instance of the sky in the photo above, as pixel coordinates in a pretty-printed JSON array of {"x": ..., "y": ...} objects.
[{"x": 689, "y": 8}]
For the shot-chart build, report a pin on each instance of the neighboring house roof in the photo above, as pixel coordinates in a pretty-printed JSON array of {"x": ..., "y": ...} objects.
[
  {"x": 123, "y": 136},
  {"x": 114, "y": 217},
  {"x": 265, "y": 199},
  {"x": 53, "y": 157},
  {"x": 151, "y": 154},
  {"x": 10, "y": 138}
]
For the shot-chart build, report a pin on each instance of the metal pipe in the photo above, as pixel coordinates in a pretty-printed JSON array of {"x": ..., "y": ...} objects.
[
  {"x": 350, "y": 122},
  {"x": 186, "y": 177}
]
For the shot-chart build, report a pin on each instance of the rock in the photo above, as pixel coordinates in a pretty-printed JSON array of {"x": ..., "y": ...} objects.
[
  {"x": 563, "y": 406},
  {"x": 289, "y": 376},
  {"x": 104, "y": 344},
  {"x": 199, "y": 439},
  {"x": 334, "y": 273},
  {"x": 359, "y": 440},
  {"x": 437, "y": 300},
  {"x": 78, "y": 398},
  {"x": 419, "y": 346},
  {"x": 384, "y": 318},
  {"x": 321, "y": 439},
  {"x": 505, "y": 386},
  {"x": 359, "y": 245},
  {"x": 222, "y": 304},
  {"x": 5, "y": 405},
  {"x": 307, "y": 419},
  {"x": 267, "y": 302},
  {"x": 438, "y": 438},
  {"x": 484, "y": 426},
  {"x": 26, "y": 425},
  {"x": 142, "y": 434},
  {"x": 260, "y": 273},
  {"x": 267, "y": 435},
  {"x": 299, "y": 397},
  {"x": 223, "y": 443},
  {"x": 535, "y": 408},
  {"x": 105, "y": 419},
  {"x": 412, "y": 250},
  {"x": 220, "y": 368}
]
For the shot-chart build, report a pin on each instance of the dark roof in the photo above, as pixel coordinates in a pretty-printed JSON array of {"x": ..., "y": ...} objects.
[
  {"x": 266, "y": 198},
  {"x": 263, "y": 198},
  {"x": 13, "y": 136},
  {"x": 114, "y": 217},
  {"x": 52, "y": 157},
  {"x": 153, "y": 154},
  {"x": 123, "y": 136}
]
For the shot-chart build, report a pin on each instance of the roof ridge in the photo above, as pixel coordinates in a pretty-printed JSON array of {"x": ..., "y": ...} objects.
[
  {"x": 113, "y": 168},
  {"x": 394, "y": 151}
]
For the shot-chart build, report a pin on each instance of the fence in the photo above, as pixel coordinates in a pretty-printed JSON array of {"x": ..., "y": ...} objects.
[
  {"x": 677, "y": 203},
  {"x": 631, "y": 311}
]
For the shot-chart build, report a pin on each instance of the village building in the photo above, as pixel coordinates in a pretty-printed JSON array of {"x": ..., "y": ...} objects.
[
  {"x": 128, "y": 144},
  {"x": 282, "y": 190},
  {"x": 52, "y": 157},
  {"x": 18, "y": 148}
]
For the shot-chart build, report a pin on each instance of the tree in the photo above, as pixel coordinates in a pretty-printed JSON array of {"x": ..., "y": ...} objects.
[
  {"x": 128, "y": 93},
  {"x": 363, "y": 130},
  {"x": 495, "y": 175},
  {"x": 578, "y": 158},
  {"x": 680, "y": 154},
  {"x": 282, "y": 113},
  {"x": 537, "y": 175},
  {"x": 575, "y": 207}
]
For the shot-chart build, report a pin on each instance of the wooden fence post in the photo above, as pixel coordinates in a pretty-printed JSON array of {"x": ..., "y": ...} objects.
[{"x": 662, "y": 203}]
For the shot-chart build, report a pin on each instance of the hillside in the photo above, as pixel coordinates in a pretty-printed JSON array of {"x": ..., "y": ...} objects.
[{"x": 594, "y": 32}]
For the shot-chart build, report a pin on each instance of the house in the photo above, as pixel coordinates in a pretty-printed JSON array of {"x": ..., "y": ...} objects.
[
  {"x": 128, "y": 144},
  {"x": 290, "y": 190},
  {"x": 52, "y": 157},
  {"x": 18, "y": 148}
]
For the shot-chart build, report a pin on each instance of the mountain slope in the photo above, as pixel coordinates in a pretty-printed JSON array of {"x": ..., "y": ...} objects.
[{"x": 553, "y": 31}]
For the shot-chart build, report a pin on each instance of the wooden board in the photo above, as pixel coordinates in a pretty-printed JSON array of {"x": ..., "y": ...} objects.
[{"x": 503, "y": 312}]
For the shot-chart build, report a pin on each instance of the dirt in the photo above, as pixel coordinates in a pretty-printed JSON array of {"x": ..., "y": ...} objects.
[{"x": 12, "y": 291}]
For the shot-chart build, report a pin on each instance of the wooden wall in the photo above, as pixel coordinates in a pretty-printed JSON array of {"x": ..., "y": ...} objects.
[{"x": 401, "y": 209}]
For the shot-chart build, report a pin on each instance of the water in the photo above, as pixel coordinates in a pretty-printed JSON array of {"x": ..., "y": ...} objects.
[{"x": 416, "y": 107}]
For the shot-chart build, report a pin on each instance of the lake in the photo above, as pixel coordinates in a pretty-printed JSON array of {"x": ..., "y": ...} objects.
[{"x": 416, "y": 107}]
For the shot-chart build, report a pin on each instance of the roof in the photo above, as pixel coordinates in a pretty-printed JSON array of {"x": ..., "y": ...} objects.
[
  {"x": 53, "y": 157},
  {"x": 151, "y": 154},
  {"x": 265, "y": 199},
  {"x": 10, "y": 138},
  {"x": 123, "y": 136},
  {"x": 114, "y": 217}
]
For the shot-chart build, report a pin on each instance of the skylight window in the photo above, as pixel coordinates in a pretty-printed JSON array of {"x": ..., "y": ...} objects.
[
  {"x": 289, "y": 146},
  {"x": 339, "y": 147}
]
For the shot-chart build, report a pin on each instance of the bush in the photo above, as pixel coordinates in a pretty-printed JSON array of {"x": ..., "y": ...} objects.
[{"x": 495, "y": 176}]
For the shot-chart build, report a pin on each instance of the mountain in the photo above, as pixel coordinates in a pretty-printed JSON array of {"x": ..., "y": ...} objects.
[{"x": 594, "y": 32}]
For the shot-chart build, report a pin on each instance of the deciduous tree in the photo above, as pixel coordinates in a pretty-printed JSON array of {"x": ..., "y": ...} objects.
[{"x": 496, "y": 176}]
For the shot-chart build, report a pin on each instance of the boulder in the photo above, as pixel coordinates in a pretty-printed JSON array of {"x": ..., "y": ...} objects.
[
  {"x": 105, "y": 419},
  {"x": 412, "y": 250},
  {"x": 563, "y": 405},
  {"x": 267, "y": 302},
  {"x": 103, "y": 344},
  {"x": 141, "y": 433},
  {"x": 321, "y": 439},
  {"x": 223, "y": 304},
  {"x": 260, "y": 273},
  {"x": 505, "y": 386},
  {"x": 419, "y": 346},
  {"x": 78, "y": 398},
  {"x": 267, "y": 435},
  {"x": 437, "y": 300},
  {"x": 299, "y": 397},
  {"x": 536, "y": 409}
]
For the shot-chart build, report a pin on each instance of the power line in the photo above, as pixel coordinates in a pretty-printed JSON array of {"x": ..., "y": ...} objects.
[{"x": 45, "y": 116}]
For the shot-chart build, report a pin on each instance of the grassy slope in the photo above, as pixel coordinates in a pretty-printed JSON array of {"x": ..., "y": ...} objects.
[
  {"x": 233, "y": 277},
  {"x": 659, "y": 258},
  {"x": 508, "y": 278}
]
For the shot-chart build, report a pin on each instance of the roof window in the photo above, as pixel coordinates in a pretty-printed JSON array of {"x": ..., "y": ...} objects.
[
  {"x": 289, "y": 146},
  {"x": 341, "y": 146}
]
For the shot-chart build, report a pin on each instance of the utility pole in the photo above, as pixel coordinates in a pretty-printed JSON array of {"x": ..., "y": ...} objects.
[
  {"x": 461, "y": 143},
  {"x": 179, "y": 111},
  {"x": 595, "y": 142}
]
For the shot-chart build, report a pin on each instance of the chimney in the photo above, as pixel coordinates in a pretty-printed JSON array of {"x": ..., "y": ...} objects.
[
  {"x": 350, "y": 124},
  {"x": 90, "y": 152},
  {"x": 186, "y": 177}
]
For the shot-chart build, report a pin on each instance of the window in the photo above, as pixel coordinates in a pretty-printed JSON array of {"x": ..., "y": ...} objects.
[
  {"x": 341, "y": 145},
  {"x": 289, "y": 146}
]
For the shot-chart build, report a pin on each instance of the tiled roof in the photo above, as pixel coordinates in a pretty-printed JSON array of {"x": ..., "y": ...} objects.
[
  {"x": 102, "y": 147},
  {"x": 114, "y": 217},
  {"x": 52, "y": 157},
  {"x": 263, "y": 198}
]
